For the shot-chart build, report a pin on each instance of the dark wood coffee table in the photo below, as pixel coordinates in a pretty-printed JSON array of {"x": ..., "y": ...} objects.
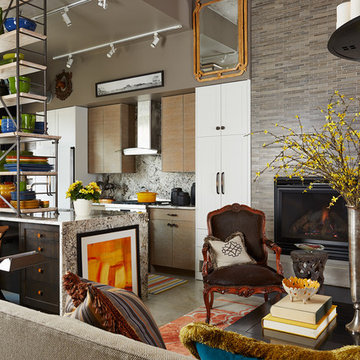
[{"x": 250, "y": 326}]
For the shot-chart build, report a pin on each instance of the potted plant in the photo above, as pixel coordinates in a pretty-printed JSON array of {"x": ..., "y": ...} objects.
[
  {"x": 83, "y": 197},
  {"x": 331, "y": 152}
]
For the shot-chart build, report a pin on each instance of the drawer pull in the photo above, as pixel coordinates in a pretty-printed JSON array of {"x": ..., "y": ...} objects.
[
  {"x": 40, "y": 292},
  {"x": 40, "y": 249},
  {"x": 175, "y": 225},
  {"x": 39, "y": 235},
  {"x": 40, "y": 270},
  {"x": 172, "y": 214},
  {"x": 168, "y": 224}
]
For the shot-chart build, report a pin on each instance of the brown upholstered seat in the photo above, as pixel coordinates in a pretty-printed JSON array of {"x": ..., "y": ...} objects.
[
  {"x": 244, "y": 279},
  {"x": 244, "y": 274}
]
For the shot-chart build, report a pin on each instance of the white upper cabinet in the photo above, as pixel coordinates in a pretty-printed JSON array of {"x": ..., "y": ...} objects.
[
  {"x": 208, "y": 110},
  {"x": 223, "y": 109},
  {"x": 235, "y": 108}
]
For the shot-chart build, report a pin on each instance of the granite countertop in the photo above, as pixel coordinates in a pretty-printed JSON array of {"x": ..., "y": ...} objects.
[
  {"x": 63, "y": 217},
  {"x": 172, "y": 207}
]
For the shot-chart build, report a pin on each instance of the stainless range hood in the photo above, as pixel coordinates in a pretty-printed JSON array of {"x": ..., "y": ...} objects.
[{"x": 148, "y": 129}]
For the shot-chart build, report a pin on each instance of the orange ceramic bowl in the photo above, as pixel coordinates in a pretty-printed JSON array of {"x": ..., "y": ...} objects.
[{"x": 146, "y": 196}]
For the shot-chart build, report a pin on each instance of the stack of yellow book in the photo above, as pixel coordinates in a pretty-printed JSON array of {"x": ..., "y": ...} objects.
[{"x": 308, "y": 320}]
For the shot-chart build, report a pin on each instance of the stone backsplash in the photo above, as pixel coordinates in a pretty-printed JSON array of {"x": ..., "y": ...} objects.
[{"x": 148, "y": 176}]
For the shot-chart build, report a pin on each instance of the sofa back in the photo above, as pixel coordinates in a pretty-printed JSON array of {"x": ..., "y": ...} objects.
[{"x": 32, "y": 335}]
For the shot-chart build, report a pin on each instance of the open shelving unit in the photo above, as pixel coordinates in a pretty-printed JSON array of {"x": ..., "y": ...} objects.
[{"x": 18, "y": 41}]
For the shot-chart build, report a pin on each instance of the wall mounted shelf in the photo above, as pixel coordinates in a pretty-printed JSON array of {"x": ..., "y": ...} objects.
[
  {"x": 27, "y": 37},
  {"x": 345, "y": 41},
  {"x": 25, "y": 98},
  {"x": 26, "y": 67}
]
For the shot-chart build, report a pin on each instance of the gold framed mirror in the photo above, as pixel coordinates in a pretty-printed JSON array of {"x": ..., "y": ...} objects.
[{"x": 220, "y": 39}]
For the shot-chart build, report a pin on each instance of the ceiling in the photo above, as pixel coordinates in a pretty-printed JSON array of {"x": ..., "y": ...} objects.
[{"x": 92, "y": 25}]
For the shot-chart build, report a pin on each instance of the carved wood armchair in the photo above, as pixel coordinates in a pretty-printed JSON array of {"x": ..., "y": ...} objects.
[{"x": 241, "y": 279}]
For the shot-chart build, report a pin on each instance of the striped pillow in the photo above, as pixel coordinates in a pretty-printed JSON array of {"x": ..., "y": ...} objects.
[{"x": 117, "y": 310}]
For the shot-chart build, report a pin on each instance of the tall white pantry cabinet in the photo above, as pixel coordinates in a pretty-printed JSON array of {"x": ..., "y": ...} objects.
[{"x": 223, "y": 174}]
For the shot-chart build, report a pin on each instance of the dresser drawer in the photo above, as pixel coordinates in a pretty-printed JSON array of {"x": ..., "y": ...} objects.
[
  {"x": 47, "y": 272},
  {"x": 42, "y": 291},
  {"x": 172, "y": 214}
]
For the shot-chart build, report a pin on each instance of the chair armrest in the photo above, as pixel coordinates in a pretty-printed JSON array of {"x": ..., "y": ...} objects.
[
  {"x": 277, "y": 250},
  {"x": 207, "y": 261}
]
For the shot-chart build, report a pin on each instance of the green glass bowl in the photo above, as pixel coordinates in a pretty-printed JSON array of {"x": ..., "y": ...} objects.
[{"x": 24, "y": 84}]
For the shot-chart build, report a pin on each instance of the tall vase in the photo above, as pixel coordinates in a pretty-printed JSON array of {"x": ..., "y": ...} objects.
[
  {"x": 354, "y": 262},
  {"x": 82, "y": 207}
]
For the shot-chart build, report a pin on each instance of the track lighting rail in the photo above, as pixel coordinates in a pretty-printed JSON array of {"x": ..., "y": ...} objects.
[{"x": 127, "y": 39}]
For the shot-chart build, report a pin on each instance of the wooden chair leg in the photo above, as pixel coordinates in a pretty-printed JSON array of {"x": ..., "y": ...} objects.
[
  {"x": 207, "y": 305},
  {"x": 266, "y": 297},
  {"x": 211, "y": 299}
]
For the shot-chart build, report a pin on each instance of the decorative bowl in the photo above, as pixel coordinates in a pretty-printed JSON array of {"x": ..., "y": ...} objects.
[
  {"x": 10, "y": 24},
  {"x": 300, "y": 289},
  {"x": 310, "y": 247}
]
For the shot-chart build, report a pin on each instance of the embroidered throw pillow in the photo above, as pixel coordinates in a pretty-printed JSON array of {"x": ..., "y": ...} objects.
[
  {"x": 229, "y": 252},
  {"x": 112, "y": 309}
]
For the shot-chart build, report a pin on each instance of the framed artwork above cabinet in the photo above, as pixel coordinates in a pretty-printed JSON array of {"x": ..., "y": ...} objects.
[{"x": 220, "y": 39}]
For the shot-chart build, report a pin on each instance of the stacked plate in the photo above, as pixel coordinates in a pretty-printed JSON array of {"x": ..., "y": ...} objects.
[
  {"x": 24, "y": 195},
  {"x": 26, "y": 204},
  {"x": 28, "y": 163}
]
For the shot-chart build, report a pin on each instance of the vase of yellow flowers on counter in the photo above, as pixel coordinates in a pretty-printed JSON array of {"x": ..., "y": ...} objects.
[
  {"x": 83, "y": 197},
  {"x": 331, "y": 152}
]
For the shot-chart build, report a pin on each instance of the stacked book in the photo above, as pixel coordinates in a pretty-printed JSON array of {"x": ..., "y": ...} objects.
[{"x": 298, "y": 323}]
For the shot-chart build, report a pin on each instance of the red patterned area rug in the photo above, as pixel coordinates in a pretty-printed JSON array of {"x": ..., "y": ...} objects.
[{"x": 219, "y": 317}]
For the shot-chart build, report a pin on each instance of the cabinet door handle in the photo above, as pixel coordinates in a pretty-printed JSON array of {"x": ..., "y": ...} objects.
[
  {"x": 168, "y": 224},
  {"x": 40, "y": 249},
  {"x": 39, "y": 235},
  {"x": 222, "y": 183},
  {"x": 218, "y": 128},
  {"x": 40, "y": 292},
  {"x": 222, "y": 127},
  {"x": 172, "y": 214},
  {"x": 40, "y": 270},
  {"x": 175, "y": 225},
  {"x": 217, "y": 182}
]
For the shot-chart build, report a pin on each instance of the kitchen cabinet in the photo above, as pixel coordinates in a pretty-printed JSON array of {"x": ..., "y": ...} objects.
[
  {"x": 40, "y": 284},
  {"x": 222, "y": 151},
  {"x": 172, "y": 238},
  {"x": 178, "y": 133},
  {"x": 71, "y": 124},
  {"x": 111, "y": 129}
]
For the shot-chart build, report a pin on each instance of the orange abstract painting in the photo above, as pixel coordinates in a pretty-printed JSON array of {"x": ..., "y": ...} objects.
[{"x": 109, "y": 262}]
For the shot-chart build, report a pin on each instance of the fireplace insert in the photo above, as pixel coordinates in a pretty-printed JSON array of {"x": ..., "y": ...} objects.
[{"x": 305, "y": 216}]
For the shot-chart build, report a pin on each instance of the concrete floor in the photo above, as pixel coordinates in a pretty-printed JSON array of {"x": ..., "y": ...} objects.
[{"x": 174, "y": 303}]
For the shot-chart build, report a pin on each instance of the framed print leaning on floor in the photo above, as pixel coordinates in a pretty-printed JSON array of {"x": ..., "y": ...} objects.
[{"x": 111, "y": 257}]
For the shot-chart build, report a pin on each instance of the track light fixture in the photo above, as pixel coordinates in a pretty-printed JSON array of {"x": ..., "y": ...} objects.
[
  {"x": 111, "y": 51},
  {"x": 65, "y": 16},
  {"x": 70, "y": 61},
  {"x": 155, "y": 40},
  {"x": 103, "y": 4}
]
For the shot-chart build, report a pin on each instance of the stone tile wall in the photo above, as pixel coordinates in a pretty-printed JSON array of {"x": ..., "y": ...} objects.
[{"x": 292, "y": 73}]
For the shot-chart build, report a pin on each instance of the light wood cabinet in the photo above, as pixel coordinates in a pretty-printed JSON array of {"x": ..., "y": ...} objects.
[
  {"x": 111, "y": 129},
  {"x": 178, "y": 133},
  {"x": 172, "y": 238}
]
